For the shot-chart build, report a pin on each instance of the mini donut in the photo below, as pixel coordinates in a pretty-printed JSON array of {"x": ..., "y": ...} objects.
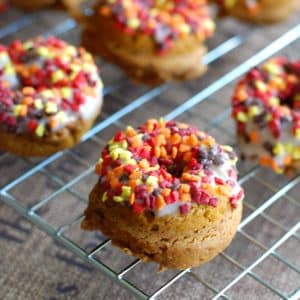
[
  {"x": 3, "y": 5},
  {"x": 259, "y": 11},
  {"x": 32, "y": 4},
  {"x": 266, "y": 107},
  {"x": 37, "y": 4},
  {"x": 50, "y": 95},
  {"x": 152, "y": 41},
  {"x": 167, "y": 193}
]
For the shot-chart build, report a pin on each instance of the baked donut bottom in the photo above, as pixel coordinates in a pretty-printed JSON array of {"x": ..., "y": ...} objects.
[
  {"x": 27, "y": 145},
  {"x": 270, "y": 11},
  {"x": 137, "y": 54},
  {"x": 32, "y": 4},
  {"x": 173, "y": 241}
]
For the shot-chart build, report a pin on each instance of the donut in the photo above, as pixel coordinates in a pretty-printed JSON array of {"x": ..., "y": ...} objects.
[
  {"x": 50, "y": 95},
  {"x": 3, "y": 5},
  {"x": 32, "y": 4},
  {"x": 37, "y": 4},
  {"x": 152, "y": 41},
  {"x": 167, "y": 193},
  {"x": 266, "y": 107},
  {"x": 259, "y": 11}
]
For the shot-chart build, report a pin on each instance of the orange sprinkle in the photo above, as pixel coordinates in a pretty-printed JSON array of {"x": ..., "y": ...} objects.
[
  {"x": 27, "y": 90},
  {"x": 186, "y": 197},
  {"x": 184, "y": 148},
  {"x": 176, "y": 139},
  {"x": 160, "y": 202},
  {"x": 287, "y": 160},
  {"x": 132, "y": 198},
  {"x": 254, "y": 137},
  {"x": 184, "y": 188},
  {"x": 27, "y": 100},
  {"x": 192, "y": 140},
  {"x": 23, "y": 111},
  {"x": 174, "y": 152},
  {"x": 98, "y": 169},
  {"x": 166, "y": 192},
  {"x": 265, "y": 160},
  {"x": 105, "y": 11},
  {"x": 163, "y": 152},
  {"x": 156, "y": 151},
  {"x": 53, "y": 122}
]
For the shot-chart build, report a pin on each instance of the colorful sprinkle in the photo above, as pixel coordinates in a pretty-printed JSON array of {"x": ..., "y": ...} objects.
[
  {"x": 134, "y": 172},
  {"x": 39, "y": 92},
  {"x": 267, "y": 114},
  {"x": 165, "y": 21}
]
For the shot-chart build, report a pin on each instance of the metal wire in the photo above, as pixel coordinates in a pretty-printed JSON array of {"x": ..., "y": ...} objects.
[{"x": 32, "y": 212}]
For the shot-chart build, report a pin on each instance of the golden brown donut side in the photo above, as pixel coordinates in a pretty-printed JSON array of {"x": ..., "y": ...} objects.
[
  {"x": 270, "y": 11},
  {"x": 26, "y": 145},
  {"x": 137, "y": 56},
  {"x": 175, "y": 242},
  {"x": 32, "y": 4}
]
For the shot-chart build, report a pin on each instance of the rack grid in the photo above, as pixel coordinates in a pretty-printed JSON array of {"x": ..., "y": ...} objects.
[{"x": 117, "y": 119}]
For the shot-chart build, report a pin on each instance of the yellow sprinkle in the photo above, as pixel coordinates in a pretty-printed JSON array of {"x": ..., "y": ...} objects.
[
  {"x": 242, "y": 117},
  {"x": 57, "y": 76},
  {"x": 133, "y": 23},
  {"x": 278, "y": 149},
  {"x": 261, "y": 86},
  {"x": 126, "y": 191},
  {"x": 71, "y": 50},
  {"x": 296, "y": 153},
  {"x": 9, "y": 70},
  {"x": 38, "y": 104},
  {"x": 274, "y": 101},
  {"x": 253, "y": 111},
  {"x": 51, "y": 108},
  {"x": 40, "y": 130},
  {"x": 152, "y": 181},
  {"x": 118, "y": 199},
  {"x": 104, "y": 197},
  {"x": 47, "y": 93},
  {"x": 272, "y": 68},
  {"x": 66, "y": 92},
  {"x": 297, "y": 133},
  {"x": 17, "y": 110},
  {"x": 289, "y": 148}
]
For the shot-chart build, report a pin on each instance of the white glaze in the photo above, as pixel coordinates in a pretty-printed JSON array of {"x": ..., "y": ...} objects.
[
  {"x": 221, "y": 172},
  {"x": 266, "y": 136}
]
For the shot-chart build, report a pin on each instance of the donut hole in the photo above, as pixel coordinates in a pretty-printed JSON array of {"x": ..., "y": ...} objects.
[{"x": 175, "y": 168}]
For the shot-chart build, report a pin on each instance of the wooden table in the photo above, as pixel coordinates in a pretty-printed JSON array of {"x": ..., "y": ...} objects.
[{"x": 262, "y": 262}]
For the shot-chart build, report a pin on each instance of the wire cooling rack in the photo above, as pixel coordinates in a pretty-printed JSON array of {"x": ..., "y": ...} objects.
[{"x": 265, "y": 189}]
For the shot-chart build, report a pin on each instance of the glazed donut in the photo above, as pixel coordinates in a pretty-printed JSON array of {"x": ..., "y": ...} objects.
[
  {"x": 3, "y": 5},
  {"x": 50, "y": 94},
  {"x": 152, "y": 41},
  {"x": 259, "y": 11},
  {"x": 167, "y": 193},
  {"x": 32, "y": 4},
  {"x": 36, "y": 4},
  {"x": 266, "y": 107}
]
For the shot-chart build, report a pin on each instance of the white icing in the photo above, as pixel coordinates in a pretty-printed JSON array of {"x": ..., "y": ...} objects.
[
  {"x": 286, "y": 137},
  {"x": 221, "y": 172},
  {"x": 91, "y": 106},
  {"x": 169, "y": 209},
  {"x": 86, "y": 111},
  {"x": 5, "y": 62}
]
